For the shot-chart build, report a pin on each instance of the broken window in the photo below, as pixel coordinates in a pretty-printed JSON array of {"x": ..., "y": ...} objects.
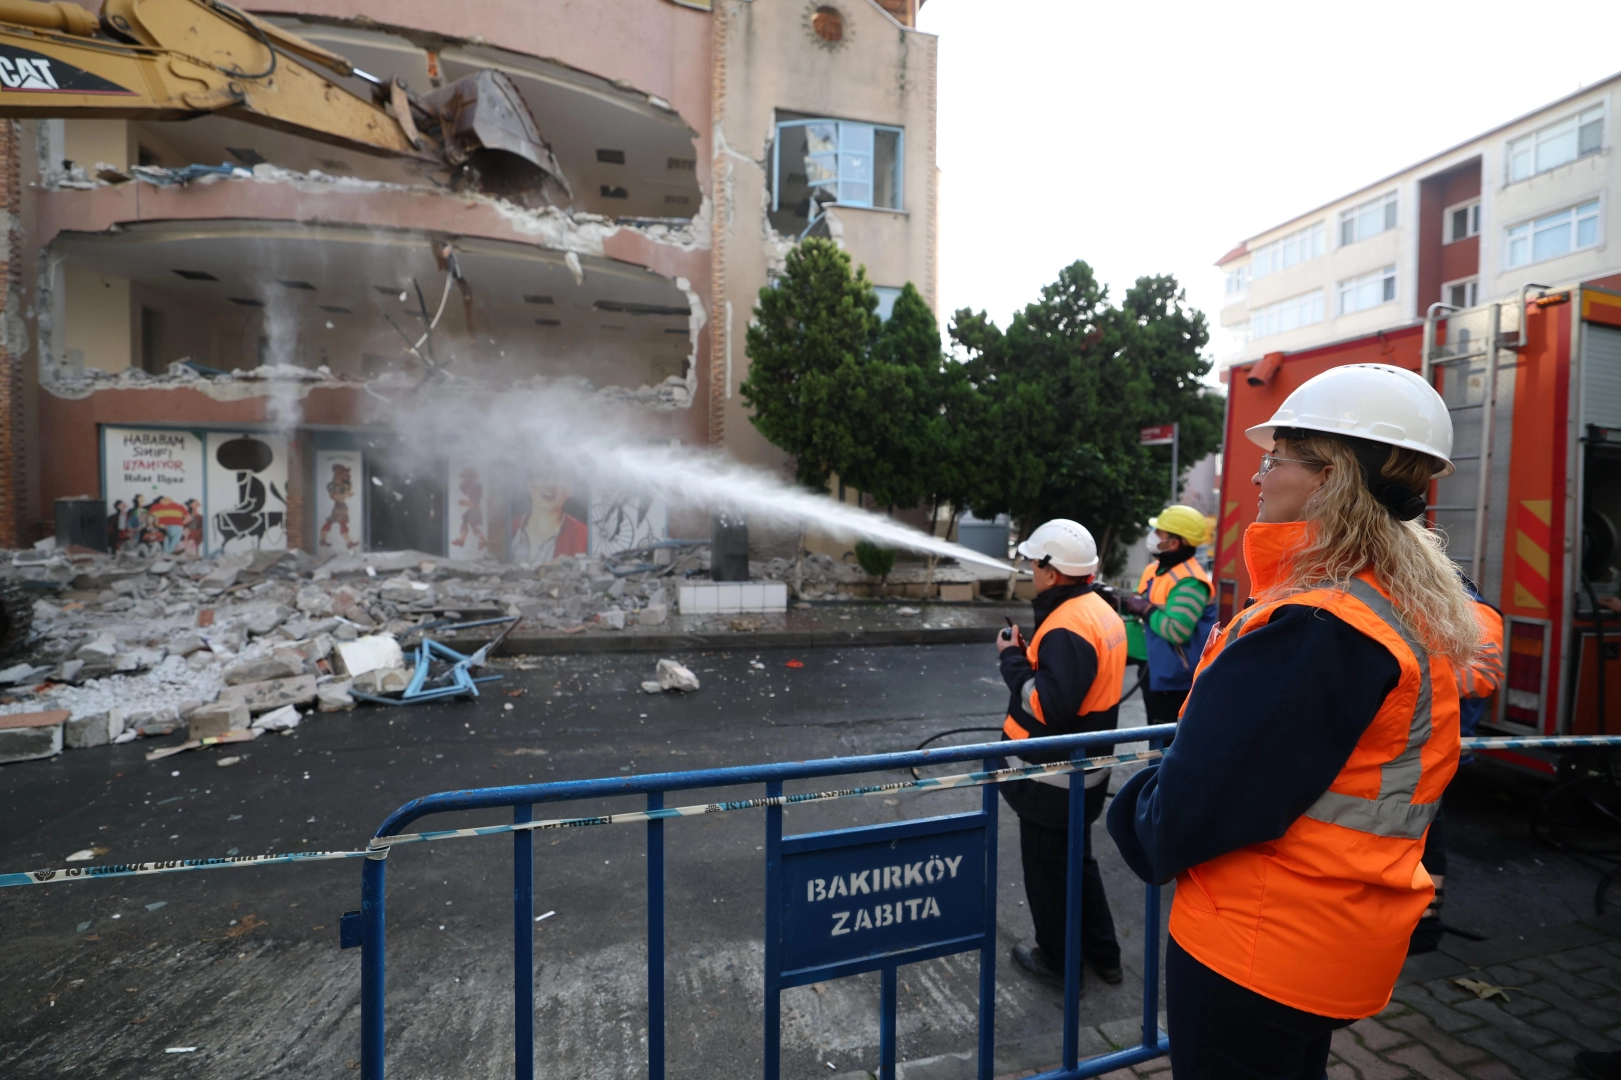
[{"x": 823, "y": 162}]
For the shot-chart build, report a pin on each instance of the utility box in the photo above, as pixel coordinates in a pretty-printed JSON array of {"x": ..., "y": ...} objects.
[
  {"x": 729, "y": 547},
  {"x": 82, "y": 522},
  {"x": 986, "y": 537}
]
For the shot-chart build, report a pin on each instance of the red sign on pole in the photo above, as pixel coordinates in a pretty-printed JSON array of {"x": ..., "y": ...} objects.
[{"x": 1159, "y": 435}]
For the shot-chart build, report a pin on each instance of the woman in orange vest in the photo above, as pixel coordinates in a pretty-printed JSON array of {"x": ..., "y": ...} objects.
[{"x": 1321, "y": 729}]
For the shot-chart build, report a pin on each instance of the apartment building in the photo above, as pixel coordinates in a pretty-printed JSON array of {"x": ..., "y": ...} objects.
[
  {"x": 205, "y": 312},
  {"x": 1536, "y": 199}
]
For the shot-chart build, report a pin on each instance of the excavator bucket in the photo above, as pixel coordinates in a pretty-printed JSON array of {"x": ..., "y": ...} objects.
[{"x": 489, "y": 135}]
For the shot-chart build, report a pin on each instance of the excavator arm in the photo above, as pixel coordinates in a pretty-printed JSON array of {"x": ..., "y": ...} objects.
[{"x": 179, "y": 59}]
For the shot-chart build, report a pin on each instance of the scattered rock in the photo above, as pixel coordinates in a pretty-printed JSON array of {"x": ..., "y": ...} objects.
[
  {"x": 221, "y": 578},
  {"x": 382, "y": 681},
  {"x": 612, "y": 619},
  {"x": 671, "y": 675},
  {"x": 261, "y": 669},
  {"x": 283, "y": 719},
  {"x": 98, "y": 729},
  {"x": 101, "y": 648},
  {"x": 154, "y": 723},
  {"x": 652, "y": 615},
  {"x": 29, "y": 736},
  {"x": 371, "y": 653},
  {"x": 69, "y": 671},
  {"x": 314, "y": 600},
  {"x": 334, "y": 696},
  {"x": 186, "y": 644},
  {"x": 218, "y": 718},
  {"x": 265, "y": 622},
  {"x": 272, "y": 694}
]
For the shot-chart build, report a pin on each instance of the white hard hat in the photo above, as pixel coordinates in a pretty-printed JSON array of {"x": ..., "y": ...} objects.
[
  {"x": 1375, "y": 402},
  {"x": 1064, "y": 545}
]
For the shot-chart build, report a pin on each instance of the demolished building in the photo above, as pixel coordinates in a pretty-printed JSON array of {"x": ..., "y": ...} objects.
[{"x": 206, "y": 322}]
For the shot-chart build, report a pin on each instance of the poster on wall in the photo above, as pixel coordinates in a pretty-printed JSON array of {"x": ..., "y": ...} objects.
[
  {"x": 247, "y": 492},
  {"x": 340, "y": 501},
  {"x": 548, "y": 515},
  {"x": 153, "y": 480},
  {"x": 625, "y": 522},
  {"x": 468, "y": 523}
]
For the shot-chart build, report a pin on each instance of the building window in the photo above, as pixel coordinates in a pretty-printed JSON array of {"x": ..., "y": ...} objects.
[
  {"x": 1554, "y": 235},
  {"x": 1286, "y": 315},
  {"x": 1368, "y": 291},
  {"x": 1557, "y": 144},
  {"x": 1297, "y": 247},
  {"x": 1370, "y": 219},
  {"x": 1461, "y": 294},
  {"x": 1237, "y": 281},
  {"x": 1462, "y": 221},
  {"x": 887, "y": 295},
  {"x": 821, "y": 162}
]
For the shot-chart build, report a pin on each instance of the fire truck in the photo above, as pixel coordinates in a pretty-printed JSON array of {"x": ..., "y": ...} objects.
[{"x": 1531, "y": 512}]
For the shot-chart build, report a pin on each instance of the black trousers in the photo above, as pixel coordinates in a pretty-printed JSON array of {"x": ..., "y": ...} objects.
[
  {"x": 1162, "y": 706},
  {"x": 1221, "y": 1031},
  {"x": 1043, "y": 811}
]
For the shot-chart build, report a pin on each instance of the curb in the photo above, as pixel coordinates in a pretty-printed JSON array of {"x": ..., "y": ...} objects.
[{"x": 563, "y": 645}]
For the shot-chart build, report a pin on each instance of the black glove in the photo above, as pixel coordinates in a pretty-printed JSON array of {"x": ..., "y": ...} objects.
[{"x": 1136, "y": 604}]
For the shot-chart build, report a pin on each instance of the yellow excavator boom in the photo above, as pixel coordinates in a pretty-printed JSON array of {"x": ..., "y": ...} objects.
[{"x": 178, "y": 59}]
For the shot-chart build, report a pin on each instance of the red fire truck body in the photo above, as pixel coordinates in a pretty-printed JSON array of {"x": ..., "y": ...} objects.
[{"x": 1531, "y": 512}]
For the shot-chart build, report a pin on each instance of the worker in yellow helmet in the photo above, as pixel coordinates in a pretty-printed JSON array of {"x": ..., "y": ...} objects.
[{"x": 1176, "y": 602}]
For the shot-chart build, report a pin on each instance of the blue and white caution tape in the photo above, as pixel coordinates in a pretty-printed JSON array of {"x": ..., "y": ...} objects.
[
  {"x": 170, "y": 866},
  {"x": 379, "y": 846},
  {"x": 961, "y": 780}
]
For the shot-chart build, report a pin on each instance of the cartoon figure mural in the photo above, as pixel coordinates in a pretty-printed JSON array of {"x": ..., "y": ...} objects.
[
  {"x": 258, "y": 519},
  {"x": 543, "y": 528},
  {"x": 340, "y": 489},
  {"x": 117, "y": 532},
  {"x": 191, "y": 542},
  {"x": 471, "y": 501},
  {"x": 168, "y": 520}
]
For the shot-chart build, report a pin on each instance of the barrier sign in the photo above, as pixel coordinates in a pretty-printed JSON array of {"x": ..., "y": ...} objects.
[{"x": 860, "y": 899}]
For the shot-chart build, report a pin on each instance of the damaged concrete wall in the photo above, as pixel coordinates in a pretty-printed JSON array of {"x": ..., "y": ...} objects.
[{"x": 879, "y": 73}]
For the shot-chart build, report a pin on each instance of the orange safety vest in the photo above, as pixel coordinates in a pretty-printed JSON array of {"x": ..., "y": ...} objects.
[
  {"x": 1484, "y": 675},
  {"x": 1320, "y": 918},
  {"x": 1091, "y": 617},
  {"x": 1164, "y": 583}
]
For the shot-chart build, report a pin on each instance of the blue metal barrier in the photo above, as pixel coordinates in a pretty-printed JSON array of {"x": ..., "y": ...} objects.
[{"x": 972, "y": 836}]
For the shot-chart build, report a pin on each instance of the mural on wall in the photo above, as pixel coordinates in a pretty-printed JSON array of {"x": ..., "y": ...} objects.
[
  {"x": 247, "y": 492},
  {"x": 627, "y": 522},
  {"x": 548, "y": 513},
  {"x": 153, "y": 482},
  {"x": 468, "y": 522},
  {"x": 340, "y": 501}
]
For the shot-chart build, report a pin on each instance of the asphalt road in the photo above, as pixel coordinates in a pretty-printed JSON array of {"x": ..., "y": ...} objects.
[{"x": 103, "y": 977}]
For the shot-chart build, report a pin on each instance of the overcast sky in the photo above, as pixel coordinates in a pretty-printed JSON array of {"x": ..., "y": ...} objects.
[{"x": 1151, "y": 138}]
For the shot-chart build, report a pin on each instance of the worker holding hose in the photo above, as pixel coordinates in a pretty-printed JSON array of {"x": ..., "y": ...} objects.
[
  {"x": 1066, "y": 680},
  {"x": 1321, "y": 729},
  {"x": 1176, "y": 602}
]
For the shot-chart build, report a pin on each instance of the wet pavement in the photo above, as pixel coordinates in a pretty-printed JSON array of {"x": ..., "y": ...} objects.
[{"x": 104, "y": 977}]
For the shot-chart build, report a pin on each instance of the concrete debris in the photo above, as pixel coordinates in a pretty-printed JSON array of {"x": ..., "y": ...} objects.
[
  {"x": 262, "y": 668},
  {"x": 671, "y": 675},
  {"x": 29, "y": 736},
  {"x": 334, "y": 696},
  {"x": 273, "y": 694},
  {"x": 217, "y": 719},
  {"x": 20, "y": 673},
  {"x": 380, "y": 681},
  {"x": 283, "y": 719},
  {"x": 97, "y": 729},
  {"x": 371, "y": 653}
]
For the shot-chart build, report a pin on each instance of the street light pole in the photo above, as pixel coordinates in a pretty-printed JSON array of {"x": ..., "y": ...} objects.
[{"x": 1176, "y": 435}]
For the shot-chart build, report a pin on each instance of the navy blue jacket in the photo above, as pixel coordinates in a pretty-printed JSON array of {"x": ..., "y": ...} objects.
[{"x": 1268, "y": 726}]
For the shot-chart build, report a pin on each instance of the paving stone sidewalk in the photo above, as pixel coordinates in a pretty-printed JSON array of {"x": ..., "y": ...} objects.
[{"x": 1563, "y": 988}]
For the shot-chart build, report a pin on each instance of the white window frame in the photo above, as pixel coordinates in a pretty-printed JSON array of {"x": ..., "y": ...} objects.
[
  {"x": 872, "y": 181},
  {"x": 1384, "y": 277},
  {"x": 1448, "y": 236},
  {"x": 1389, "y": 207},
  {"x": 1530, "y": 224},
  {"x": 1313, "y": 299},
  {"x": 1240, "y": 274},
  {"x": 1287, "y": 251},
  {"x": 1472, "y": 282},
  {"x": 1533, "y": 141}
]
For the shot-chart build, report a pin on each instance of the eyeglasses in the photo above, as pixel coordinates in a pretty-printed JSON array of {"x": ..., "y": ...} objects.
[{"x": 1271, "y": 461}]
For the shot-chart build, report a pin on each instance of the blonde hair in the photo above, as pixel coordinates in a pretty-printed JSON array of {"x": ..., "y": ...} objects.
[{"x": 1355, "y": 533}]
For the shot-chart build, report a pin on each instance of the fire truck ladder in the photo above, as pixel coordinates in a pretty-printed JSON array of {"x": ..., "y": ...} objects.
[{"x": 1469, "y": 355}]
